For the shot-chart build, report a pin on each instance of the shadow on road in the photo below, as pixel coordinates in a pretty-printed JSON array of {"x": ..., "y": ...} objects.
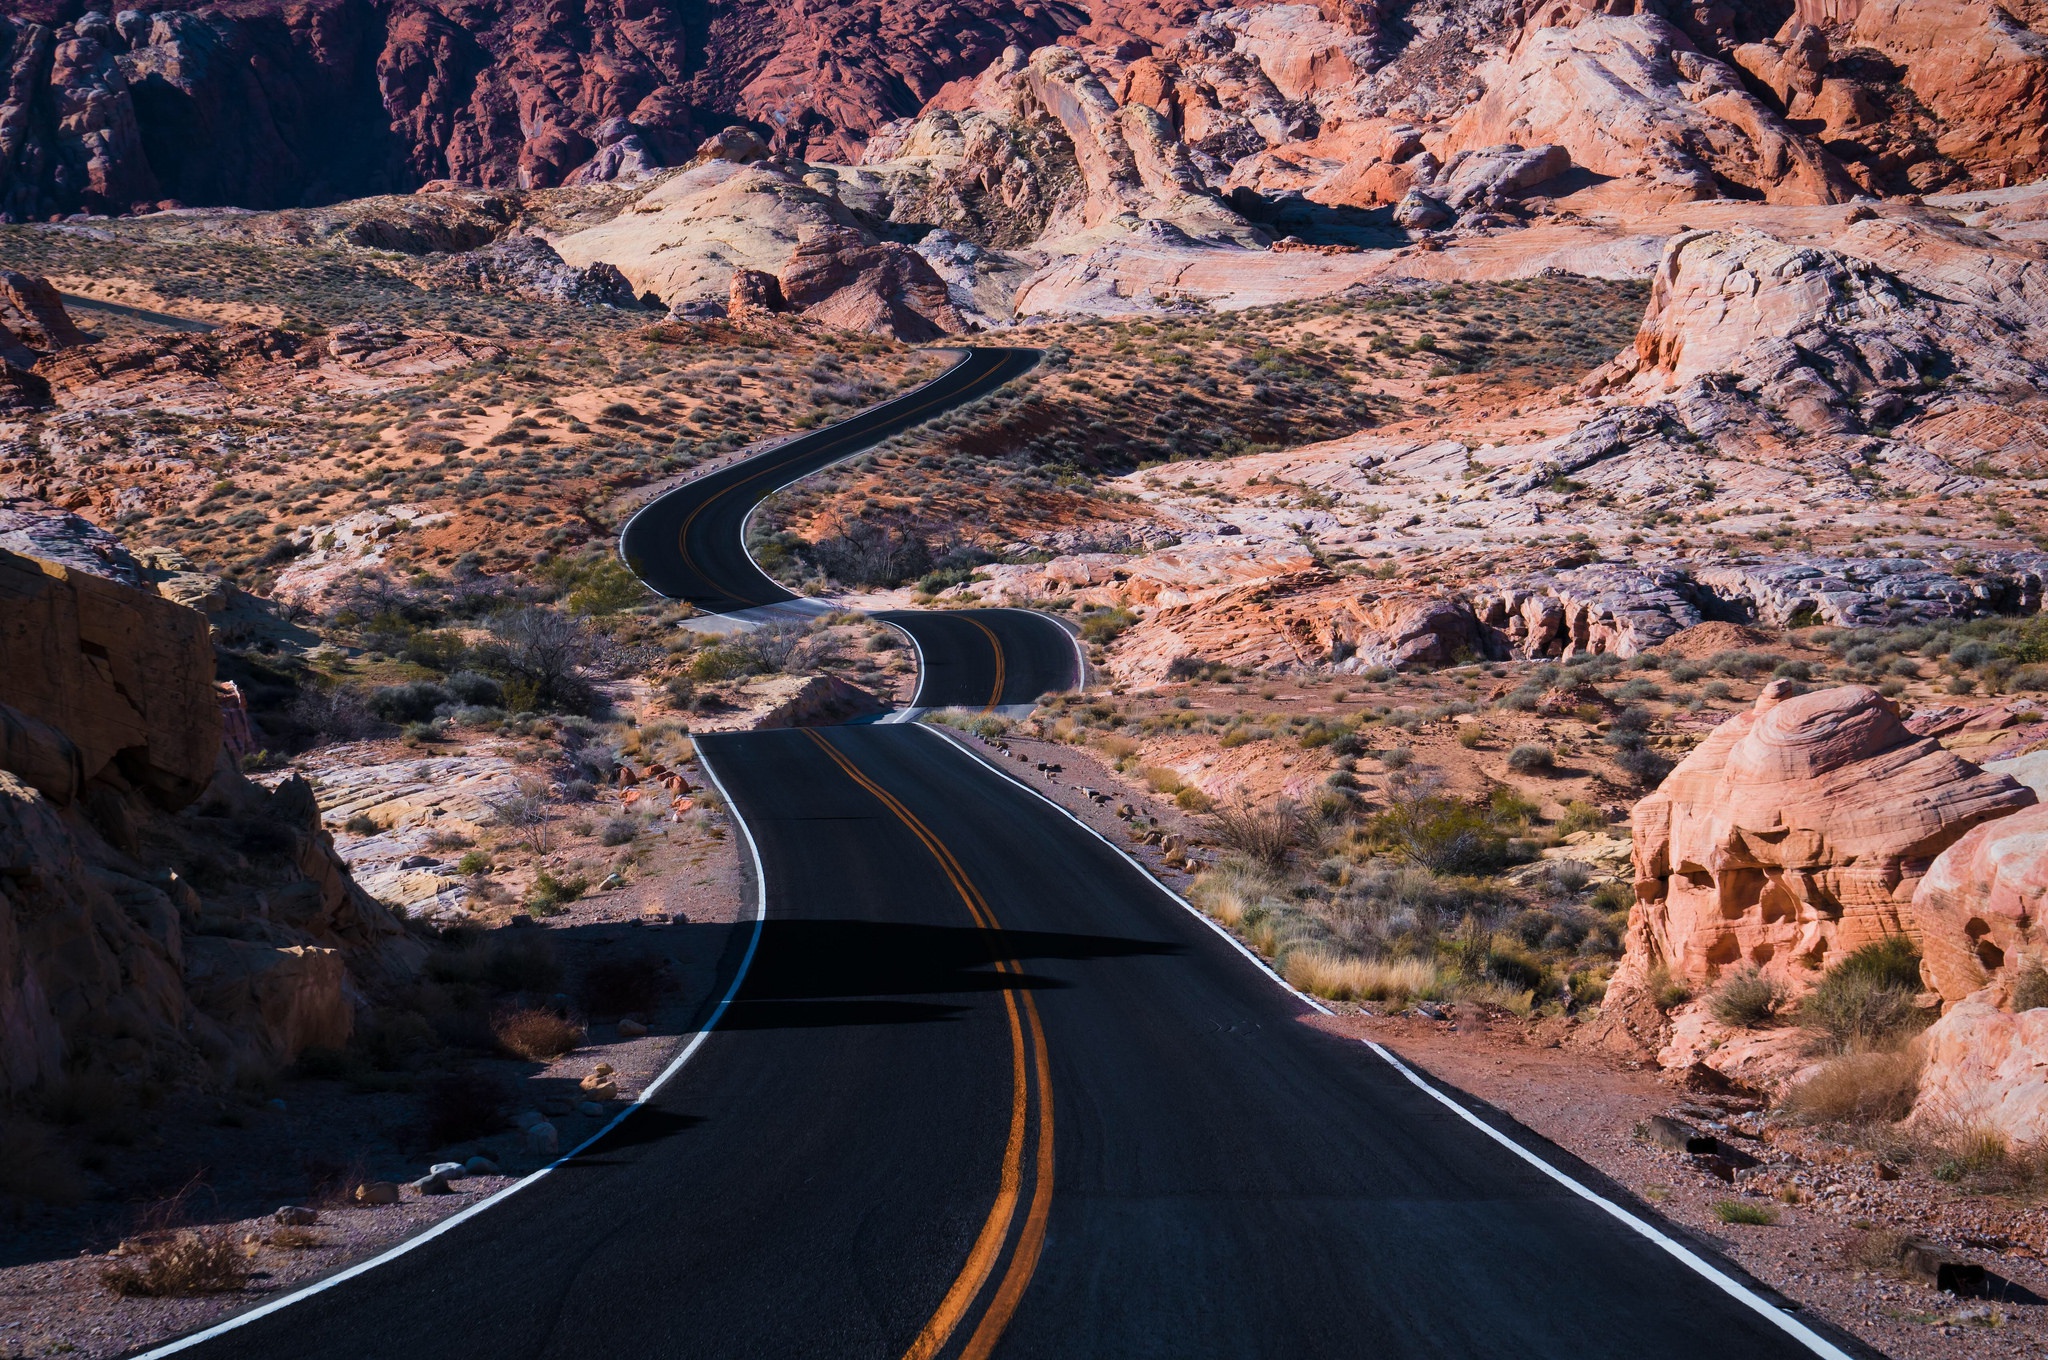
[{"x": 821, "y": 960}]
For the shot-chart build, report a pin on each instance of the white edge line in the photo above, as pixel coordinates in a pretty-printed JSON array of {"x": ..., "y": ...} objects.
[
  {"x": 1794, "y": 1328},
  {"x": 924, "y": 674},
  {"x": 966, "y": 354},
  {"x": 1135, "y": 863},
  {"x": 391, "y": 1254},
  {"x": 1734, "y": 1288}
]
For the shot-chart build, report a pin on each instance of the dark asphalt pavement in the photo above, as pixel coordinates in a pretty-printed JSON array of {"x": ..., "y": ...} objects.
[
  {"x": 946, "y": 958},
  {"x": 988, "y": 658},
  {"x": 690, "y": 543},
  {"x": 986, "y": 1090}
]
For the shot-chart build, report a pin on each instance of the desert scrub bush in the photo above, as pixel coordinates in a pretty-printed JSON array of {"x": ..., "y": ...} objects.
[
  {"x": 1399, "y": 981},
  {"x": 549, "y": 894},
  {"x": 178, "y": 1264},
  {"x": 1162, "y": 780},
  {"x": 1532, "y": 758},
  {"x": 473, "y": 863},
  {"x": 1442, "y": 835},
  {"x": 1104, "y": 625},
  {"x": 1618, "y": 898},
  {"x": 535, "y": 1033},
  {"x": 1743, "y": 1212},
  {"x": 1665, "y": 990},
  {"x": 619, "y": 831},
  {"x": 1866, "y": 1000},
  {"x": 1644, "y": 766},
  {"x": 1743, "y": 665},
  {"x": 1857, "y": 1088},
  {"x": 1746, "y": 999},
  {"x": 1579, "y": 815},
  {"x": 409, "y": 703},
  {"x": 1263, "y": 835}
]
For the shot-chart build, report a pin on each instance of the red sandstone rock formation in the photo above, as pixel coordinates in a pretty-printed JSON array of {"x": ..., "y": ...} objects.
[
  {"x": 1794, "y": 834},
  {"x": 269, "y": 103},
  {"x": 1980, "y": 907},
  {"x": 846, "y": 281}
]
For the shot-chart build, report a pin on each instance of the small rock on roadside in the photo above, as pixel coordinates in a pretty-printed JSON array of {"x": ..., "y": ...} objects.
[
  {"x": 631, "y": 1029},
  {"x": 377, "y": 1192},
  {"x": 541, "y": 1139},
  {"x": 295, "y": 1216}
]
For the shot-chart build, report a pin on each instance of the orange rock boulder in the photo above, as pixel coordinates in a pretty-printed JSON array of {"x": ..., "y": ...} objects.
[
  {"x": 1794, "y": 834},
  {"x": 1979, "y": 907}
]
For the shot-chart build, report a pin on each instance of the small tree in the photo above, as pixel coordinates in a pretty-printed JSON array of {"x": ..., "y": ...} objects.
[{"x": 543, "y": 653}]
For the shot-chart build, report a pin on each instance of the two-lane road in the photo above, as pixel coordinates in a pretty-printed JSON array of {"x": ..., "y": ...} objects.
[
  {"x": 986, "y": 1091},
  {"x": 689, "y": 543}
]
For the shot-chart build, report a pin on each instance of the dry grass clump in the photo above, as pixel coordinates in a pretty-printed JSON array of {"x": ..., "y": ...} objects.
[
  {"x": 1263, "y": 835},
  {"x": 1322, "y": 973},
  {"x": 1858, "y": 1088},
  {"x": 174, "y": 1264},
  {"x": 1738, "y": 1211},
  {"x": 1162, "y": 780},
  {"x": 1747, "y": 999},
  {"x": 535, "y": 1033}
]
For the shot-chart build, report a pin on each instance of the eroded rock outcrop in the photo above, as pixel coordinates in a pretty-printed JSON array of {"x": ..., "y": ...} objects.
[
  {"x": 1847, "y": 336},
  {"x": 525, "y": 266},
  {"x": 1979, "y": 911},
  {"x": 853, "y": 283},
  {"x": 1979, "y": 908},
  {"x": 160, "y": 915},
  {"x": 1983, "y": 1072},
  {"x": 1629, "y": 96},
  {"x": 1793, "y": 835}
]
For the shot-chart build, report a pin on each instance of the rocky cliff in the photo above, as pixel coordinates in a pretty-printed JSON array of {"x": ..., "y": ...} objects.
[
  {"x": 160, "y": 915},
  {"x": 271, "y": 103}
]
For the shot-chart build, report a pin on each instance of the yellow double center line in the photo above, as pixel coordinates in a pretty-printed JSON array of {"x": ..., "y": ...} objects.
[
  {"x": 995, "y": 695},
  {"x": 995, "y": 1230}
]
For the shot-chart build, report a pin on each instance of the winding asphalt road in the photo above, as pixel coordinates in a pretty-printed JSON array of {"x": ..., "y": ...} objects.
[
  {"x": 985, "y": 1088},
  {"x": 690, "y": 544}
]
